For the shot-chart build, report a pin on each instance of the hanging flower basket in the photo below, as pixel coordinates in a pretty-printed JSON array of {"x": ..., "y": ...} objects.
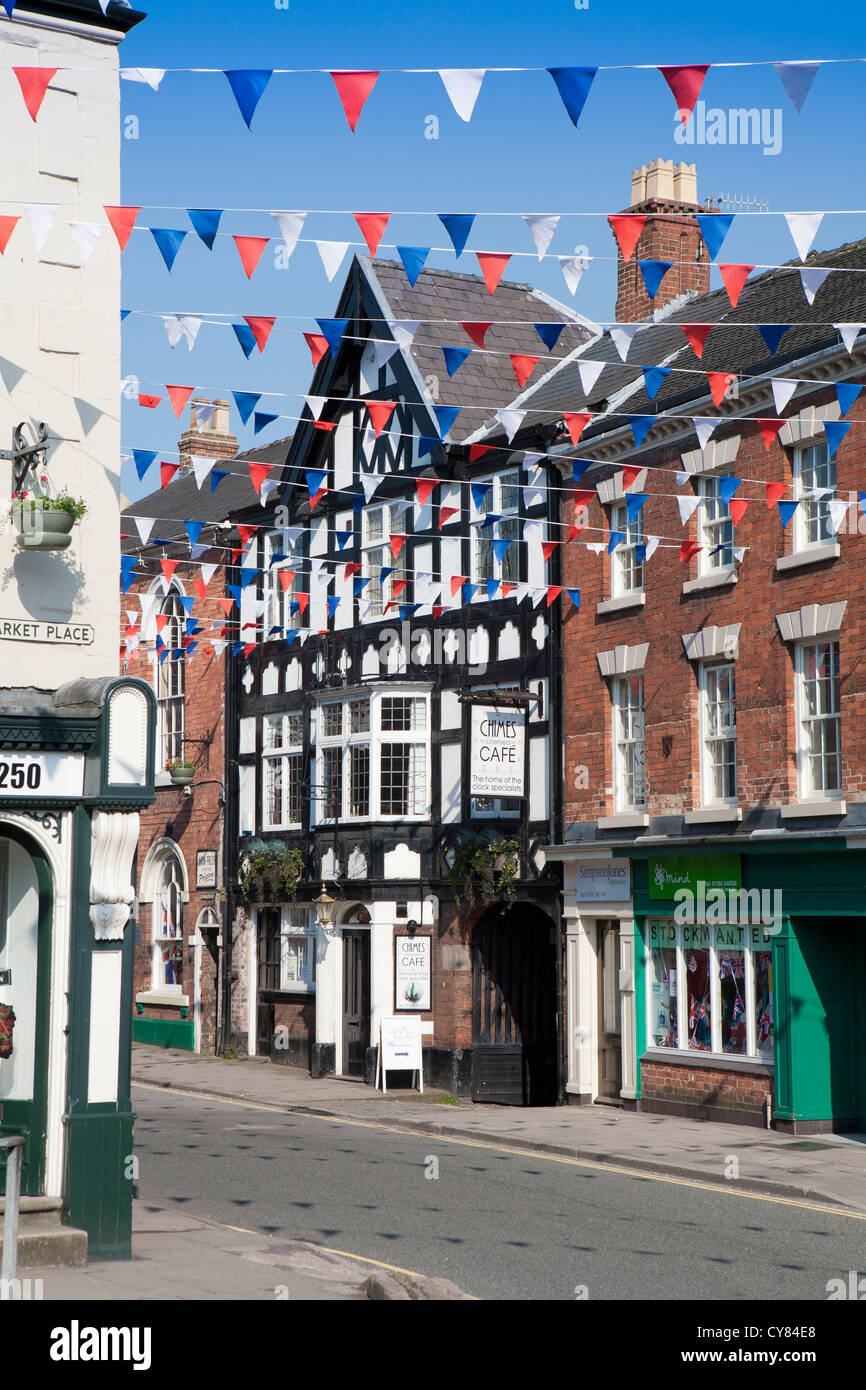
[
  {"x": 7, "y": 1023},
  {"x": 45, "y": 523},
  {"x": 180, "y": 773}
]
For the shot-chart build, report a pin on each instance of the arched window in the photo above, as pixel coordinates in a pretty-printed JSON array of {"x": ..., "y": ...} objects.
[
  {"x": 170, "y": 679},
  {"x": 167, "y": 926}
]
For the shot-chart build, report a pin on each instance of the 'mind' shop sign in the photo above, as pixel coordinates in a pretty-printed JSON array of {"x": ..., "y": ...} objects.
[
  {"x": 496, "y": 751},
  {"x": 675, "y": 871}
]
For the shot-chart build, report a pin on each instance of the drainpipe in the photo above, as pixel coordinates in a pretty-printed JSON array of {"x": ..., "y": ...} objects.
[{"x": 768, "y": 1110}]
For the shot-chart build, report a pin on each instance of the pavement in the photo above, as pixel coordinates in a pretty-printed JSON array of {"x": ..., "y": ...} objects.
[{"x": 829, "y": 1168}]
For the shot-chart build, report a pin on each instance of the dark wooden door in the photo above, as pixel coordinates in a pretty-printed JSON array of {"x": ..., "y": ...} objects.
[
  {"x": 514, "y": 1008},
  {"x": 268, "y": 978},
  {"x": 356, "y": 1001}
]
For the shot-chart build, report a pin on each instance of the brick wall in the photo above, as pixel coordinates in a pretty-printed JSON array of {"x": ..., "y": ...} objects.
[
  {"x": 663, "y": 238},
  {"x": 704, "y": 1087}
]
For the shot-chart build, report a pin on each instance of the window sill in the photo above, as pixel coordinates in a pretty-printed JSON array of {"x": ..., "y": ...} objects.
[
  {"x": 714, "y": 815},
  {"x": 807, "y": 809},
  {"x": 814, "y": 555},
  {"x": 717, "y": 1061},
  {"x": 165, "y": 998},
  {"x": 624, "y": 820},
  {"x": 619, "y": 605},
  {"x": 710, "y": 581}
]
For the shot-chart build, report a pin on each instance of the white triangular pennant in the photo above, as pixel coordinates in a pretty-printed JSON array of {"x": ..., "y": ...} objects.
[
  {"x": 463, "y": 86},
  {"x": 848, "y": 333},
  {"x": 219, "y": 645},
  {"x": 364, "y": 607},
  {"x": 510, "y": 420},
  {"x": 332, "y": 253},
  {"x": 383, "y": 350},
  {"x": 204, "y": 411},
  {"x": 134, "y": 618},
  {"x": 532, "y": 496},
  {"x": 596, "y": 546},
  {"x": 533, "y": 530},
  {"x": 530, "y": 460},
  {"x": 739, "y": 552},
  {"x": 622, "y": 335},
  {"x": 837, "y": 510},
  {"x": 682, "y": 477},
  {"x": 189, "y": 326},
  {"x": 687, "y": 507},
  {"x": 201, "y": 468},
  {"x": 207, "y": 574},
  {"x": 151, "y": 76},
  {"x": 521, "y": 592},
  {"x": 589, "y": 374},
  {"x": 404, "y": 331},
  {"x": 782, "y": 392},
  {"x": 173, "y": 329},
  {"x": 147, "y": 601},
  {"x": 572, "y": 269},
  {"x": 803, "y": 227},
  {"x": 268, "y": 486},
  {"x": 652, "y": 545},
  {"x": 369, "y": 482},
  {"x": 144, "y": 526},
  {"x": 291, "y": 225},
  {"x": 41, "y": 217},
  {"x": 797, "y": 78},
  {"x": 542, "y": 226},
  {"x": 86, "y": 235},
  {"x": 316, "y": 404},
  {"x": 812, "y": 278},
  {"x": 704, "y": 430}
]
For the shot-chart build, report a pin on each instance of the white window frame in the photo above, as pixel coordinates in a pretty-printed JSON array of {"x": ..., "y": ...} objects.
[
  {"x": 507, "y": 570},
  {"x": 620, "y": 686},
  {"x": 376, "y": 555},
  {"x": 626, "y": 573},
  {"x": 169, "y": 681},
  {"x": 297, "y": 926},
  {"x": 374, "y": 739},
  {"x": 755, "y": 939},
  {"x": 278, "y": 756},
  {"x": 710, "y": 673},
  {"x": 805, "y": 781},
  {"x": 278, "y": 610},
  {"x": 168, "y": 894},
  {"x": 813, "y": 514},
  {"x": 715, "y": 527}
]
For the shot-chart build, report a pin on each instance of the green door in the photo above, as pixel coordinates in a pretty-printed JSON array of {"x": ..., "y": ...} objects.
[{"x": 25, "y": 960}]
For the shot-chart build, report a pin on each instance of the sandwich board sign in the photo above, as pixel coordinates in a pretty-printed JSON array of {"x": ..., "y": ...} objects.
[{"x": 399, "y": 1048}]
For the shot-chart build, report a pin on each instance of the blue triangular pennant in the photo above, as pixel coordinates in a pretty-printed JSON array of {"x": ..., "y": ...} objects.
[
  {"x": 640, "y": 554},
  {"x": 205, "y": 222},
  {"x": 245, "y": 337},
  {"x": 481, "y": 492},
  {"x": 492, "y": 587},
  {"x": 500, "y": 549},
  {"x": 787, "y": 510},
  {"x": 579, "y": 467},
  {"x": 727, "y": 488},
  {"x": 237, "y": 648},
  {"x": 384, "y": 572},
  {"x": 469, "y": 592},
  {"x": 454, "y": 358},
  {"x": 142, "y": 458},
  {"x": 413, "y": 258},
  {"x": 772, "y": 334},
  {"x": 169, "y": 242},
  {"x": 124, "y": 313},
  {"x": 194, "y": 530},
  {"x": 359, "y": 584},
  {"x": 333, "y": 605},
  {"x": 714, "y": 228},
  {"x": 333, "y": 330},
  {"x": 616, "y": 538},
  {"x": 846, "y": 395},
  {"x": 458, "y": 225},
  {"x": 574, "y": 595},
  {"x": 633, "y": 503},
  {"x": 549, "y": 333},
  {"x": 490, "y": 520},
  {"x": 235, "y": 591},
  {"x": 797, "y": 78},
  {"x": 292, "y": 637},
  {"x": 573, "y": 85},
  {"x": 248, "y": 84},
  {"x": 653, "y": 378},
  {"x": 216, "y": 477},
  {"x": 445, "y": 417},
  {"x": 315, "y": 479},
  {"x": 127, "y": 565},
  {"x": 407, "y": 610},
  {"x": 640, "y": 427},
  {"x": 653, "y": 273},
  {"x": 835, "y": 431},
  {"x": 246, "y": 402},
  {"x": 262, "y": 419},
  {"x": 248, "y": 574},
  {"x": 343, "y": 538},
  {"x": 426, "y": 444}
]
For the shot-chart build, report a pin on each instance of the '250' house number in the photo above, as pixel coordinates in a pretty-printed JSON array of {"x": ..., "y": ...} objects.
[{"x": 40, "y": 774}]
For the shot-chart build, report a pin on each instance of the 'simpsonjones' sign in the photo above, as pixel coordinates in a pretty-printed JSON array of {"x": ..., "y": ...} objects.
[{"x": 496, "y": 751}]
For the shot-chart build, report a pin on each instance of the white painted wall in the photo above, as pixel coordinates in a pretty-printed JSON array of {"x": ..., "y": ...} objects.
[{"x": 60, "y": 326}]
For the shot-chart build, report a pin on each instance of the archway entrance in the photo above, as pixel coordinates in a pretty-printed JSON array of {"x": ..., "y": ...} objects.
[
  {"x": 26, "y": 905},
  {"x": 514, "y": 1007}
]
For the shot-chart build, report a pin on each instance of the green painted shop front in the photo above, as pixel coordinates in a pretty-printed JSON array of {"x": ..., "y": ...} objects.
[{"x": 818, "y": 1004}]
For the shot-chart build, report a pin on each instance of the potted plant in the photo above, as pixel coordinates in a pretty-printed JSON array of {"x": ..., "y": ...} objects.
[
  {"x": 180, "y": 771},
  {"x": 44, "y": 522},
  {"x": 484, "y": 868},
  {"x": 272, "y": 873}
]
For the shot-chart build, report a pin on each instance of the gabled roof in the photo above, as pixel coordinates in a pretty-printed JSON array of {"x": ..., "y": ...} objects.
[
  {"x": 183, "y": 501},
  {"x": 774, "y": 297}
]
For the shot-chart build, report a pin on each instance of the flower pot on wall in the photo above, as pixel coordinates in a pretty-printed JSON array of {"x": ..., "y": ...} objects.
[
  {"x": 181, "y": 776},
  {"x": 43, "y": 529}
]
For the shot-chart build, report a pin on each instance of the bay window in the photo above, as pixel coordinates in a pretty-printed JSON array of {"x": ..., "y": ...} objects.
[{"x": 372, "y": 755}]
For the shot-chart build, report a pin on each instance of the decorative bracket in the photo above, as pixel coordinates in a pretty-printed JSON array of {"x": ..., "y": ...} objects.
[{"x": 24, "y": 453}]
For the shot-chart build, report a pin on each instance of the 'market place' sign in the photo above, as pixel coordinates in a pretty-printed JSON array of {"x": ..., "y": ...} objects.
[
  {"x": 496, "y": 754},
  {"x": 26, "y": 630}
]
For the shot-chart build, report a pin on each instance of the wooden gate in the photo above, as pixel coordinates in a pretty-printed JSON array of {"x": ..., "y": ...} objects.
[{"x": 514, "y": 1008}]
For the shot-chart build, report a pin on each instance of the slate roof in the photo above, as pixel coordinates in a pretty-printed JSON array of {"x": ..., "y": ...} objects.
[
  {"x": 773, "y": 297},
  {"x": 484, "y": 380},
  {"x": 183, "y": 501}
]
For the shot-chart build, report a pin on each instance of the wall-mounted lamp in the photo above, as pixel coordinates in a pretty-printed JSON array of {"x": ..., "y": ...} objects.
[{"x": 412, "y": 927}]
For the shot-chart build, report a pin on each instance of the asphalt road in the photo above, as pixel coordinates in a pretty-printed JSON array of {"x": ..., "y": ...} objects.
[{"x": 501, "y": 1226}]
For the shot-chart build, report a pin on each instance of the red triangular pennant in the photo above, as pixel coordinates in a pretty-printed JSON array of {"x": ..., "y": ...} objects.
[
  {"x": 245, "y": 532},
  {"x": 445, "y": 515},
  {"x": 261, "y": 328},
  {"x": 424, "y": 486},
  {"x": 398, "y": 586},
  {"x": 477, "y": 451},
  {"x": 287, "y": 579},
  {"x": 697, "y": 334},
  {"x": 250, "y": 249},
  {"x": 328, "y": 425},
  {"x": 318, "y": 345},
  {"x": 161, "y": 619},
  {"x": 353, "y": 89},
  {"x": 629, "y": 473},
  {"x": 769, "y": 429},
  {"x": 626, "y": 227},
  {"x": 576, "y": 422},
  {"x": 317, "y": 497},
  {"x": 122, "y": 221},
  {"x": 506, "y": 589},
  {"x": 523, "y": 366},
  {"x": 380, "y": 414},
  {"x": 492, "y": 265},
  {"x": 457, "y": 582},
  {"x": 397, "y": 543},
  {"x": 688, "y": 549},
  {"x": 200, "y": 588},
  {"x": 548, "y": 547},
  {"x": 736, "y": 507},
  {"x": 734, "y": 278},
  {"x": 719, "y": 383},
  {"x": 227, "y": 604},
  {"x": 438, "y": 610},
  {"x": 351, "y": 567},
  {"x": 775, "y": 492},
  {"x": 150, "y": 401},
  {"x": 7, "y": 227},
  {"x": 574, "y": 530},
  {"x": 167, "y": 472},
  {"x": 372, "y": 226},
  {"x": 553, "y": 591},
  {"x": 476, "y": 331},
  {"x": 582, "y": 497},
  {"x": 302, "y": 600},
  {"x": 33, "y": 83},
  {"x": 248, "y": 647},
  {"x": 179, "y": 395},
  {"x": 258, "y": 473},
  {"x": 168, "y": 568},
  {"x": 685, "y": 83}
]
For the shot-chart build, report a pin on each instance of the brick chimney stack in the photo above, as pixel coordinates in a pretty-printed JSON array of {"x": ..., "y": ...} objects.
[
  {"x": 214, "y": 440},
  {"x": 660, "y": 188}
]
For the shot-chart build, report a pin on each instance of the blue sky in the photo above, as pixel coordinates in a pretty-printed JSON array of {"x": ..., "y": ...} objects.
[{"x": 520, "y": 153}]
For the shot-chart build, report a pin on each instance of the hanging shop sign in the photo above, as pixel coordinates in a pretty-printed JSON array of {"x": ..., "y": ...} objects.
[
  {"x": 675, "y": 871},
  {"x": 497, "y": 751},
  {"x": 608, "y": 882},
  {"x": 205, "y": 868},
  {"x": 27, "y": 775},
  {"x": 400, "y": 1048},
  {"x": 413, "y": 955},
  {"x": 59, "y": 633}
]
